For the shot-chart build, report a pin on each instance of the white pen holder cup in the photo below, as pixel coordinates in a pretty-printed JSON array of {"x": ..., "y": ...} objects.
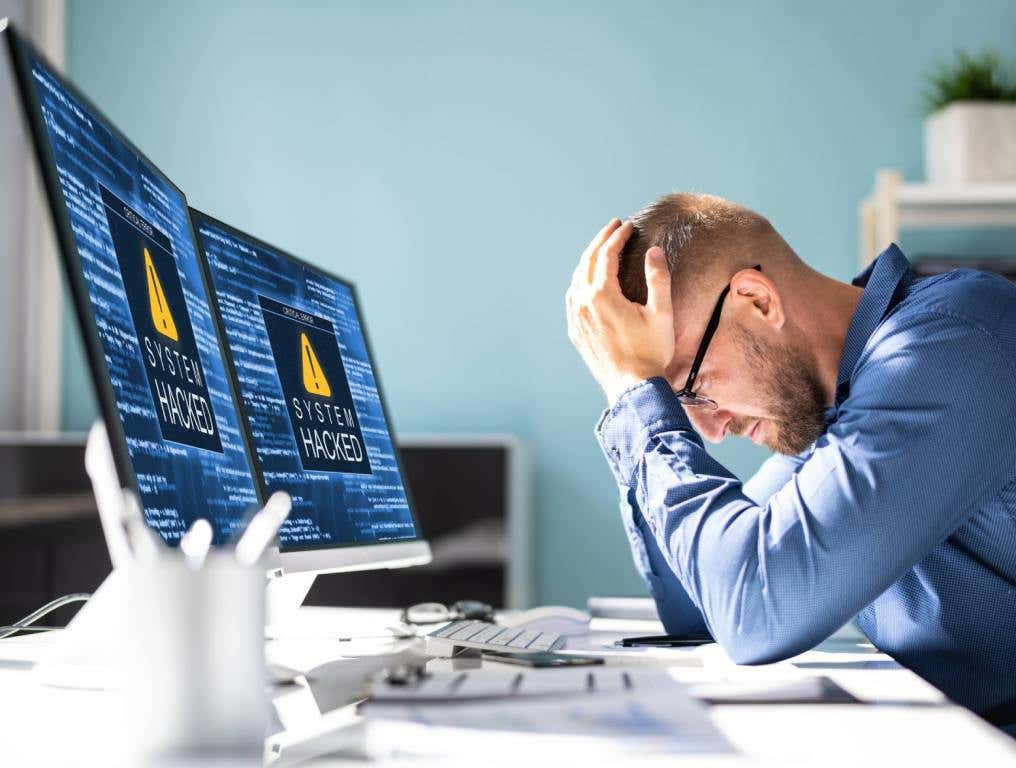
[{"x": 194, "y": 682}]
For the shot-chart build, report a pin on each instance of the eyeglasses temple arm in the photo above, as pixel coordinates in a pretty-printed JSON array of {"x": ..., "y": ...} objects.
[{"x": 711, "y": 326}]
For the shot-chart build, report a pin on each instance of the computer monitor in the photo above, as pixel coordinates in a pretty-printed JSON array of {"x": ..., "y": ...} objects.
[
  {"x": 141, "y": 300},
  {"x": 312, "y": 404},
  {"x": 165, "y": 384}
]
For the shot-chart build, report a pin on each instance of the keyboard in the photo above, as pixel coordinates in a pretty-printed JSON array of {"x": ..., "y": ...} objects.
[{"x": 484, "y": 636}]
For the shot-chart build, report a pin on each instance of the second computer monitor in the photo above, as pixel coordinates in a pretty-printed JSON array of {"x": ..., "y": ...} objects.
[{"x": 312, "y": 404}]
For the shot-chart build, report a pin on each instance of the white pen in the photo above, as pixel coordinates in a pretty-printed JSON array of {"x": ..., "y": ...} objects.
[
  {"x": 196, "y": 542},
  {"x": 262, "y": 528},
  {"x": 146, "y": 543},
  {"x": 109, "y": 499}
]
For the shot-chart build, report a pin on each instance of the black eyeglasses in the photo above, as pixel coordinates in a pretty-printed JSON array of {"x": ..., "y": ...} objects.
[{"x": 688, "y": 396}]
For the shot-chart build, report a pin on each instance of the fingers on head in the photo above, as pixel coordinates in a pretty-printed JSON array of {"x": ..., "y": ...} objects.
[
  {"x": 620, "y": 235},
  {"x": 589, "y": 254},
  {"x": 591, "y": 280},
  {"x": 603, "y": 234},
  {"x": 657, "y": 277},
  {"x": 608, "y": 255}
]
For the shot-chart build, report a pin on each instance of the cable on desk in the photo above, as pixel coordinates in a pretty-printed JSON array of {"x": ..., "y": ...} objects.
[{"x": 48, "y": 608}]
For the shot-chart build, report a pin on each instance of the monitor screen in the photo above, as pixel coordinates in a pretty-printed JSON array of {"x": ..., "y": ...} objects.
[
  {"x": 309, "y": 391},
  {"x": 143, "y": 306}
]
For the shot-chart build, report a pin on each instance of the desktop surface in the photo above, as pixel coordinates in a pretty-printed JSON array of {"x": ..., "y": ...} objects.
[{"x": 902, "y": 719}]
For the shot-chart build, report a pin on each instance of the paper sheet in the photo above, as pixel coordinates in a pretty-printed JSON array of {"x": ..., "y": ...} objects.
[
  {"x": 508, "y": 683},
  {"x": 621, "y": 712}
]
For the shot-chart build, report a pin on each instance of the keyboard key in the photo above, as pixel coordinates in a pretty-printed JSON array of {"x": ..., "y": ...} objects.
[
  {"x": 491, "y": 631},
  {"x": 507, "y": 636},
  {"x": 524, "y": 639},
  {"x": 448, "y": 629},
  {"x": 543, "y": 642},
  {"x": 471, "y": 628}
]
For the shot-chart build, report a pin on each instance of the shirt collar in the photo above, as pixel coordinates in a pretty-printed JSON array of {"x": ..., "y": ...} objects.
[{"x": 881, "y": 282}]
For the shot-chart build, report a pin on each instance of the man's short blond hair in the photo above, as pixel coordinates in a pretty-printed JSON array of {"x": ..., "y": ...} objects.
[{"x": 700, "y": 234}]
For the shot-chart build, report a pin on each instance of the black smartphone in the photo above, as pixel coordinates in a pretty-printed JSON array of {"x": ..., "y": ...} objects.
[
  {"x": 663, "y": 641},
  {"x": 543, "y": 659}
]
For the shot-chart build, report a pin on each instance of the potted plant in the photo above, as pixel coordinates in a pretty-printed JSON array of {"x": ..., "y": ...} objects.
[{"x": 970, "y": 129}]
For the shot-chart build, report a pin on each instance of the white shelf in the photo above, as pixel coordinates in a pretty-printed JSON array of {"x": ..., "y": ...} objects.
[
  {"x": 895, "y": 205},
  {"x": 971, "y": 194},
  {"x": 983, "y": 205}
]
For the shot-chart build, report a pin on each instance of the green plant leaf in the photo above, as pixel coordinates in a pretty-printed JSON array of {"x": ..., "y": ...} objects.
[{"x": 977, "y": 77}]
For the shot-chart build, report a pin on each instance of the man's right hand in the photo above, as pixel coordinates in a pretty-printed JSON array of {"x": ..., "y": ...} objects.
[{"x": 621, "y": 342}]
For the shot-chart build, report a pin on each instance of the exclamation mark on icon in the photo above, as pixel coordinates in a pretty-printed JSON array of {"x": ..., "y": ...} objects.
[
  {"x": 314, "y": 380},
  {"x": 162, "y": 318}
]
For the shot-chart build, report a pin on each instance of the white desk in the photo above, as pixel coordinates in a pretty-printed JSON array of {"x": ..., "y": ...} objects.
[{"x": 904, "y": 721}]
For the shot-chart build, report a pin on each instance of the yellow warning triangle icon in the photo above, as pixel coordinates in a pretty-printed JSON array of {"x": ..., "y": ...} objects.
[
  {"x": 162, "y": 318},
  {"x": 314, "y": 380}
]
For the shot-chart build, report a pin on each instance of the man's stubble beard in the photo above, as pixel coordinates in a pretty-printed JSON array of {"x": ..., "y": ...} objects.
[{"x": 791, "y": 391}]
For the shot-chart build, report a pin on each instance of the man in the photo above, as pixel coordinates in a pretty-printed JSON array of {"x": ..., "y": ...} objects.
[{"x": 891, "y": 403}]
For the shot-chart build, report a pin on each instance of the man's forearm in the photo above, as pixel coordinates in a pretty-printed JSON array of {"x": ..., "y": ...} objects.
[
  {"x": 680, "y": 616},
  {"x": 711, "y": 535}
]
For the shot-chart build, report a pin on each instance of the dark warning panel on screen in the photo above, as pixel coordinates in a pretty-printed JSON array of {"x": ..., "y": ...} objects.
[
  {"x": 163, "y": 327},
  {"x": 313, "y": 379}
]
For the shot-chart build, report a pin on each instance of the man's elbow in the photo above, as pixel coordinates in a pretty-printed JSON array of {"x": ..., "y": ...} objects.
[
  {"x": 753, "y": 648},
  {"x": 753, "y": 654}
]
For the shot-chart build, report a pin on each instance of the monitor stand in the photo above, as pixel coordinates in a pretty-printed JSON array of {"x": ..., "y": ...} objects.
[{"x": 284, "y": 594}]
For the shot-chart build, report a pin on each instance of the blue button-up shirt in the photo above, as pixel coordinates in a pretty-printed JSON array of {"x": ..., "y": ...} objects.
[{"x": 903, "y": 514}]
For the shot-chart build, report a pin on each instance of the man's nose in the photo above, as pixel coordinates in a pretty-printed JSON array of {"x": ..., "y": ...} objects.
[{"x": 709, "y": 423}]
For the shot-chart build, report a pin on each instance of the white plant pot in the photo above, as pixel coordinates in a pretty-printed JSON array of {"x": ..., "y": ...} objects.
[{"x": 970, "y": 141}]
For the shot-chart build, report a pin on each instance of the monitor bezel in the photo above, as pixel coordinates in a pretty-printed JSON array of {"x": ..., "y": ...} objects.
[
  {"x": 20, "y": 54},
  {"x": 394, "y": 553}
]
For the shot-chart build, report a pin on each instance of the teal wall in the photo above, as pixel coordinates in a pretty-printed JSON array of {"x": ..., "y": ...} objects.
[{"x": 454, "y": 158}]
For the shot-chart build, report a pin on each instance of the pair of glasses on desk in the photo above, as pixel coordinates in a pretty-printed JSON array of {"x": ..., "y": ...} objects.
[{"x": 435, "y": 613}]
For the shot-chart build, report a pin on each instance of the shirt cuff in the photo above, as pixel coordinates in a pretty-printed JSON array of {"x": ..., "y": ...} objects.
[{"x": 640, "y": 413}]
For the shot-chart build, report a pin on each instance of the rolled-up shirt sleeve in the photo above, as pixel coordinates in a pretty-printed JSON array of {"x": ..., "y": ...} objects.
[{"x": 775, "y": 567}]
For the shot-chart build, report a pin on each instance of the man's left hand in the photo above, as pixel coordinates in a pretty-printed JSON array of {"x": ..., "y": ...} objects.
[{"x": 621, "y": 342}]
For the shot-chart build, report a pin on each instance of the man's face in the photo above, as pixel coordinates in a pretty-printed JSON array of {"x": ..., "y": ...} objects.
[{"x": 766, "y": 387}]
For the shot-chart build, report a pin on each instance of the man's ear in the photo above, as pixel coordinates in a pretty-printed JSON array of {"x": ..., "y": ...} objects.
[{"x": 756, "y": 292}]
